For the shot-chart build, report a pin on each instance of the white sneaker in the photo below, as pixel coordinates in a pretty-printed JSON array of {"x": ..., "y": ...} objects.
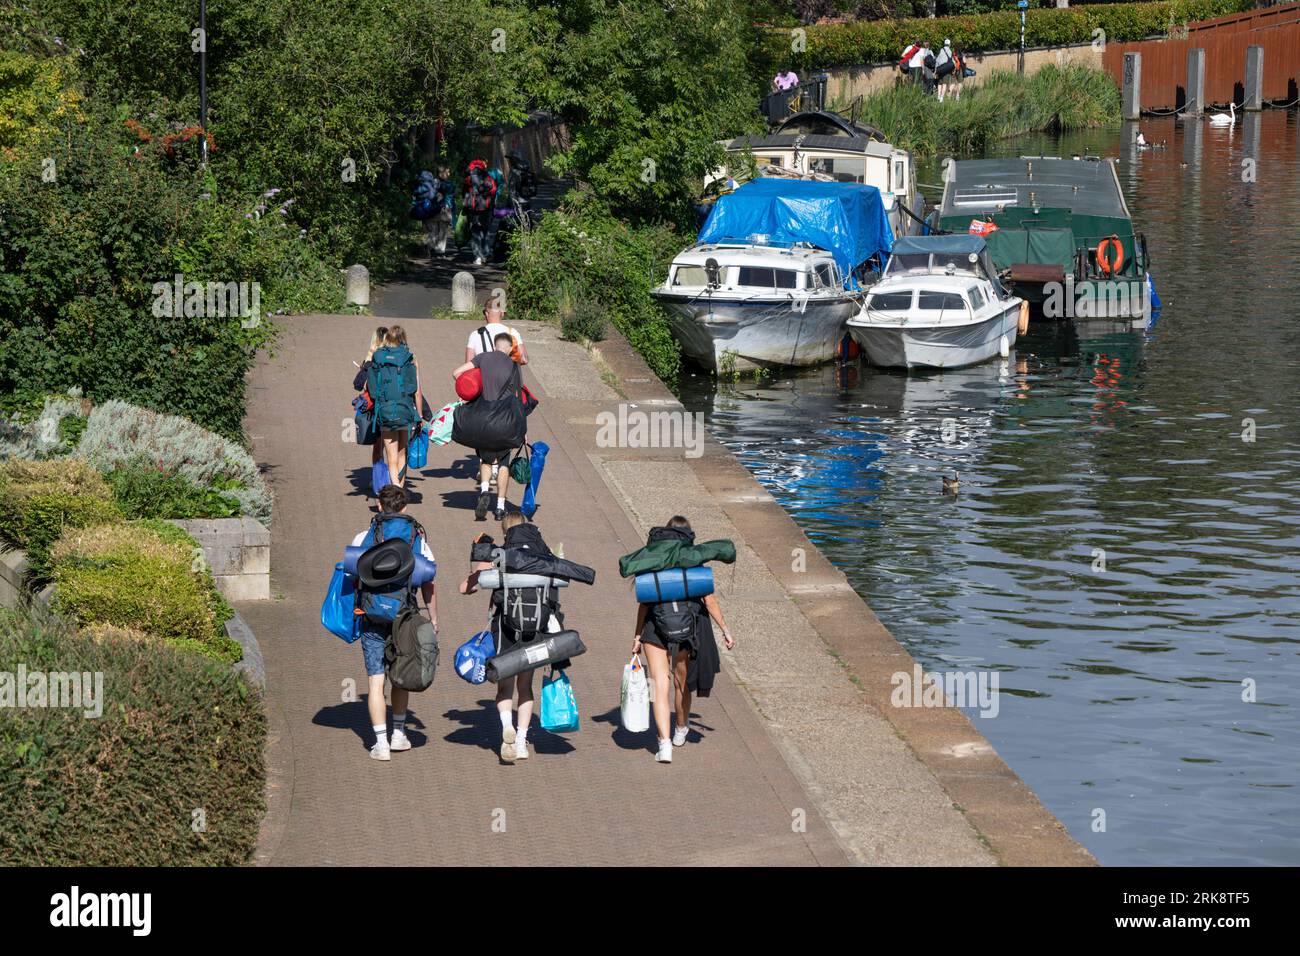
[
  {"x": 478, "y": 262},
  {"x": 381, "y": 751},
  {"x": 665, "y": 754},
  {"x": 508, "y": 744},
  {"x": 402, "y": 742},
  {"x": 521, "y": 749},
  {"x": 679, "y": 735}
]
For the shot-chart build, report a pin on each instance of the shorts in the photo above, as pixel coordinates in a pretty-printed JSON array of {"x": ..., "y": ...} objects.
[
  {"x": 372, "y": 649},
  {"x": 493, "y": 457},
  {"x": 650, "y": 636}
]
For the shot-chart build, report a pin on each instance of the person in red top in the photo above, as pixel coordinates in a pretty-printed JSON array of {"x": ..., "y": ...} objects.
[{"x": 480, "y": 197}]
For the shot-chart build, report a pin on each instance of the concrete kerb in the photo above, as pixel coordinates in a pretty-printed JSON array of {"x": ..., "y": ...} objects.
[{"x": 1001, "y": 808}]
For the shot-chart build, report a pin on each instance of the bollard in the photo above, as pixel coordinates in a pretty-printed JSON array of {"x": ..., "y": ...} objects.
[
  {"x": 1195, "y": 102},
  {"x": 462, "y": 292},
  {"x": 1132, "y": 86},
  {"x": 1254, "y": 79},
  {"x": 358, "y": 283}
]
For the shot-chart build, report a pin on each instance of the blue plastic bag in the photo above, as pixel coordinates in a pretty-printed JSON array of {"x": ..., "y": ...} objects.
[
  {"x": 338, "y": 611},
  {"x": 417, "y": 449},
  {"x": 559, "y": 706},
  {"x": 472, "y": 657},
  {"x": 538, "y": 461},
  {"x": 379, "y": 477}
]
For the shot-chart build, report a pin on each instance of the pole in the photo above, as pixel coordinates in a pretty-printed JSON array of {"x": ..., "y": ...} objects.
[
  {"x": 203, "y": 82},
  {"x": 1020, "y": 60}
]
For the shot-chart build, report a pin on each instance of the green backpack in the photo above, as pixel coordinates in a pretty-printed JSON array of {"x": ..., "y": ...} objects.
[{"x": 391, "y": 381}]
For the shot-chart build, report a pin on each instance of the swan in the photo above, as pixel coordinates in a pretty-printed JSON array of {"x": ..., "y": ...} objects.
[{"x": 1220, "y": 119}]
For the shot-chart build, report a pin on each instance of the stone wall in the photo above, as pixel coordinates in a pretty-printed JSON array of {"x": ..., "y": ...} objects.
[{"x": 238, "y": 550}]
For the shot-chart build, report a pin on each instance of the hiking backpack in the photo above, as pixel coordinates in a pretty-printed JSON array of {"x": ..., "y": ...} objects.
[
  {"x": 382, "y": 606},
  {"x": 525, "y": 612},
  {"x": 391, "y": 382},
  {"x": 411, "y": 651},
  {"x": 675, "y": 622}
]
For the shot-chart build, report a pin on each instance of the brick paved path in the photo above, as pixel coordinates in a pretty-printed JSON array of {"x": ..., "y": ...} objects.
[{"x": 596, "y": 796}]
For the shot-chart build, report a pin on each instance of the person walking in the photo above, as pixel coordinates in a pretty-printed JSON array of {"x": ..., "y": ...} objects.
[
  {"x": 945, "y": 66},
  {"x": 700, "y": 647},
  {"x": 393, "y": 379},
  {"x": 517, "y": 532},
  {"x": 391, "y": 522},
  {"x": 481, "y": 339},
  {"x": 360, "y": 379},
  {"x": 480, "y": 198},
  {"x": 444, "y": 192},
  {"x": 501, "y": 381},
  {"x": 916, "y": 65}
]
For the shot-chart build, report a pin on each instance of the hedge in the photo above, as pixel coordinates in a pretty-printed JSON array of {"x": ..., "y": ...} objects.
[
  {"x": 171, "y": 773},
  {"x": 40, "y": 500},
  {"x": 882, "y": 41},
  {"x": 146, "y": 576}
]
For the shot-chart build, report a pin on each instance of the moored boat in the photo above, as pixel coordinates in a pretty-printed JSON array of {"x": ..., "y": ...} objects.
[
  {"x": 938, "y": 305},
  {"x": 776, "y": 270}
]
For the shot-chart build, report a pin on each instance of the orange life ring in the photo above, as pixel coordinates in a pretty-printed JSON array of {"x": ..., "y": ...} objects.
[
  {"x": 1022, "y": 326},
  {"x": 1103, "y": 256}
]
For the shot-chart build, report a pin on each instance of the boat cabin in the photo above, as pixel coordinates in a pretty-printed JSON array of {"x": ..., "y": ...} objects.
[{"x": 754, "y": 268}]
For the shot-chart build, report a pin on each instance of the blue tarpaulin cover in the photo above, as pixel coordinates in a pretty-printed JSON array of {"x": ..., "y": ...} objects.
[{"x": 846, "y": 219}]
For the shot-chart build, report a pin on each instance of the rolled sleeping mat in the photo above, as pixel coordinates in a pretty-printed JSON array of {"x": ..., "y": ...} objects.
[
  {"x": 674, "y": 584},
  {"x": 491, "y": 580},
  {"x": 425, "y": 570},
  {"x": 540, "y": 651}
]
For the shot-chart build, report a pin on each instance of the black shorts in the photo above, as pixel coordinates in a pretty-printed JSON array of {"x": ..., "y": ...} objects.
[
  {"x": 651, "y": 636},
  {"x": 493, "y": 457}
]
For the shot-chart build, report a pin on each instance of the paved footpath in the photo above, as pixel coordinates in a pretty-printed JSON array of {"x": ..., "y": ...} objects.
[{"x": 593, "y": 797}]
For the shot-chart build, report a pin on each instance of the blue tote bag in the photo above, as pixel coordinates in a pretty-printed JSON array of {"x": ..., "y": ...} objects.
[
  {"x": 379, "y": 477},
  {"x": 559, "y": 706},
  {"x": 472, "y": 657},
  {"x": 417, "y": 449},
  {"x": 338, "y": 611}
]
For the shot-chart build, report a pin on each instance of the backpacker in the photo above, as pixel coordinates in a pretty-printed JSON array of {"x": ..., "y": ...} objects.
[
  {"x": 493, "y": 424},
  {"x": 478, "y": 197},
  {"x": 383, "y": 604},
  {"x": 411, "y": 651},
  {"x": 391, "y": 382},
  {"x": 905, "y": 63}
]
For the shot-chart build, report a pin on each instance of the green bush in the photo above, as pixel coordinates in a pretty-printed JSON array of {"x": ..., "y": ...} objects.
[
  {"x": 148, "y": 577},
  {"x": 118, "y": 435},
  {"x": 143, "y": 490},
  {"x": 883, "y": 41},
  {"x": 603, "y": 260},
  {"x": 41, "y": 500},
  {"x": 582, "y": 318},
  {"x": 178, "y": 734}
]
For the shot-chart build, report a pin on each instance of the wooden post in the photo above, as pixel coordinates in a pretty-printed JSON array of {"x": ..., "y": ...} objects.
[
  {"x": 1132, "y": 97},
  {"x": 1254, "y": 78},
  {"x": 1195, "y": 82}
]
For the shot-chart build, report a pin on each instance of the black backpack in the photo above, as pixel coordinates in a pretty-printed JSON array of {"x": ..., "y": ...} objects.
[
  {"x": 675, "y": 621},
  {"x": 525, "y": 612}
]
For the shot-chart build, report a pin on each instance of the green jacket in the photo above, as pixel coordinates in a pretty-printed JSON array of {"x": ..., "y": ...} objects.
[{"x": 660, "y": 555}]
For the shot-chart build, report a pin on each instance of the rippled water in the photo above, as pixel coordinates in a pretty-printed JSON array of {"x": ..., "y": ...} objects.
[{"x": 1121, "y": 688}]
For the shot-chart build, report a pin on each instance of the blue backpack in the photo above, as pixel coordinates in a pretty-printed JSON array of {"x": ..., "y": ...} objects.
[
  {"x": 391, "y": 381},
  {"x": 381, "y": 606}
]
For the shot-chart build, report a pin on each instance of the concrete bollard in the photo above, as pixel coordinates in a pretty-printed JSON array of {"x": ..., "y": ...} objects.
[
  {"x": 1195, "y": 102},
  {"x": 462, "y": 292},
  {"x": 1254, "y": 78},
  {"x": 1132, "y": 97},
  {"x": 358, "y": 284}
]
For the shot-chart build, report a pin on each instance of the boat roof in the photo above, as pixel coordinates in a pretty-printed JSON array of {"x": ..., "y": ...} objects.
[
  {"x": 822, "y": 123},
  {"x": 807, "y": 142},
  {"x": 751, "y": 253},
  {"x": 1087, "y": 187},
  {"x": 933, "y": 280},
  {"x": 957, "y": 244}
]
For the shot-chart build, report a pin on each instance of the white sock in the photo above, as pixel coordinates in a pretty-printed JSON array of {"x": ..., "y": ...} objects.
[
  {"x": 381, "y": 734},
  {"x": 501, "y": 503},
  {"x": 483, "y": 487},
  {"x": 664, "y": 742},
  {"x": 507, "y": 719},
  {"x": 523, "y": 734}
]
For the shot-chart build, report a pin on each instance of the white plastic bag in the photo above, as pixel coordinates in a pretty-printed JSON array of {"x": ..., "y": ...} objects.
[{"x": 635, "y": 698}]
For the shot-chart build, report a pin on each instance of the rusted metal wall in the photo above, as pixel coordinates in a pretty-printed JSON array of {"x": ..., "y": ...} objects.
[{"x": 1224, "y": 39}]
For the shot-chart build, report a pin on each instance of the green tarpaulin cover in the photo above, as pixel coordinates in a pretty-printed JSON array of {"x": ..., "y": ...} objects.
[{"x": 661, "y": 555}]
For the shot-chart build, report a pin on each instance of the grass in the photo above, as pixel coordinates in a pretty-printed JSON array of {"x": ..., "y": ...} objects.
[{"x": 1006, "y": 104}]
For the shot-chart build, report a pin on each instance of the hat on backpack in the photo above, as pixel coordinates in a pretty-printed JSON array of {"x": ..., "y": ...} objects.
[{"x": 385, "y": 564}]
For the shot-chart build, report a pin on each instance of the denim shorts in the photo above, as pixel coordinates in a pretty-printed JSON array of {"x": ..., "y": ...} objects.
[{"x": 372, "y": 648}]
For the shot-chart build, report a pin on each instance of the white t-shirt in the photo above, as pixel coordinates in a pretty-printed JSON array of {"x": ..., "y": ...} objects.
[
  {"x": 424, "y": 544},
  {"x": 493, "y": 330},
  {"x": 918, "y": 58}
]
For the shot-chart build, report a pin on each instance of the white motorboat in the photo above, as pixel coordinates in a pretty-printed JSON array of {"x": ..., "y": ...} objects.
[
  {"x": 742, "y": 305},
  {"x": 938, "y": 305}
]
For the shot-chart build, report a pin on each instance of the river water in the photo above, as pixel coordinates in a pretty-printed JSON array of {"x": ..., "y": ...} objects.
[{"x": 1121, "y": 552}]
